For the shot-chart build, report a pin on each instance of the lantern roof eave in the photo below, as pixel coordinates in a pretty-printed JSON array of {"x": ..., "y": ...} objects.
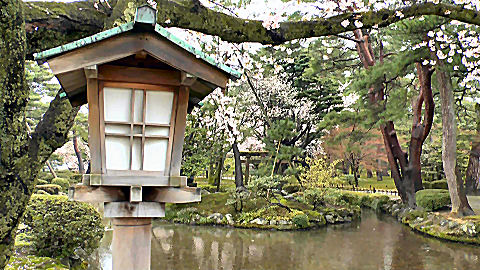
[{"x": 130, "y": 26}]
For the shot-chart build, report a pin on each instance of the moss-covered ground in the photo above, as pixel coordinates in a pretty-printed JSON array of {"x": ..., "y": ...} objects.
[
  {"x": 33, "y": 262},
  {"x": 259, "y": 213}
]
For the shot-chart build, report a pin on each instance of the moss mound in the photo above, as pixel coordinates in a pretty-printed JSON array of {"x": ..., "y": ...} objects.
[
  {"x": 432, "y": 199},
  {"x": 33, "y": 262}
]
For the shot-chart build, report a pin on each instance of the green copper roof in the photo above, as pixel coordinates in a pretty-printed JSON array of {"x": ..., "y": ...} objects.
[
  {"x": 84, "y": 41},
  {"x": 142, "y": 17}
]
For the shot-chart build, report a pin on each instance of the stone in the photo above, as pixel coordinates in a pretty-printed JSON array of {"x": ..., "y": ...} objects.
[
  {"x": 273, "y": 222},
  {"x": 259, "y": 221},
  {"x": 348, "y": 219},
  {"x": 230, "y": 220},
  {"x": 217, "y": 217},
  {"x": 469, "y": 229},
  {"x": 289, "y": 197},
  {"x": 204, "y": 192},
  {"x": 339, "y": 219},
  {"x": 452, "y": 225},
  {"x": 283, "y": 192},
  {"x": 283, "y": 222},
  {"x": 330, "y": 219}
]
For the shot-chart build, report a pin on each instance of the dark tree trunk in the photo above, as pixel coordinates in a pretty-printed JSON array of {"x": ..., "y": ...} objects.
[
  {"x": 473, "y": 170},
  {"x": 379, "y": 175},
  {"x": 406, "y": 172},
  {"x": 81, "y": 168},
  {"x": 369, "y": 174},
  {"x": 344, "y": 167},
  {"x": 218, "y": 172},
  {"x": 238, "y": 166},
  {"x": 354, "y": 168}
]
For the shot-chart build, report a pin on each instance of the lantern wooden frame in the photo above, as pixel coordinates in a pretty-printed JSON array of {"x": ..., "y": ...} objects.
[{"x": 136, "y": 55}]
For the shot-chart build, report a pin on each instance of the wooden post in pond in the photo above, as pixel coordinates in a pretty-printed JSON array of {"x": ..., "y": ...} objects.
[{"x": 139, "y": 81}]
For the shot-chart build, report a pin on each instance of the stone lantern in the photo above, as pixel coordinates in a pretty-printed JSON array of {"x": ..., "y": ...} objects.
[{"x": 139, "y": 81}]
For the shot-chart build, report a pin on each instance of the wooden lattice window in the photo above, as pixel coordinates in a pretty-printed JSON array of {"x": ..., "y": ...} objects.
[{"x": 137, "y": 127}]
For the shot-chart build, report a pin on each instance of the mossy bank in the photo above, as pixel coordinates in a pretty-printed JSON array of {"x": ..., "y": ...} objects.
[
  {"x": 337, "y": 206},
  {"x": 288, "y": 214}
]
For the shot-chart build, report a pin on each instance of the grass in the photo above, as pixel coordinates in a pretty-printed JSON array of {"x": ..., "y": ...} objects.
[
  {"x": 363, "y": 182},
  {"x": 387, "y": 183}
]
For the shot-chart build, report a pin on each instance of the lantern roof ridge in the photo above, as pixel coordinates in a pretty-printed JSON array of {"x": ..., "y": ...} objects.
[{"x": 143, "y": 22}]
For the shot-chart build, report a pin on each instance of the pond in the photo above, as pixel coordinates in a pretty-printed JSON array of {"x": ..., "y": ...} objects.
[{"x": 377, "y": 242}]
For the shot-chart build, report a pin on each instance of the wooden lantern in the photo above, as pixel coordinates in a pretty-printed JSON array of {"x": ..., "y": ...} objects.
[{"x": 139, "y": 81}]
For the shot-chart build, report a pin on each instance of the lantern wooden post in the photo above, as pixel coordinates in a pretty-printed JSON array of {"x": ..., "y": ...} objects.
[
  {"x": 131, "y": 243},
  {"x": 139, "y": 81}
]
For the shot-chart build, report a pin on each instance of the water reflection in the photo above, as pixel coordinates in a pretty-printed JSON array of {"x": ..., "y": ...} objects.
[{"x": 374, "y": 243}]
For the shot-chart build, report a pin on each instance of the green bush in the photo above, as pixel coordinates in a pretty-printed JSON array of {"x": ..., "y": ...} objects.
[
  {"x": 185, "y": 215},
  {"x": 51, "y": 189},
  {"x": 439, "y": 184},
  {"x": 64, "y": 183},
  {"x": 62, "y": 228},
  {"x": 301, "y": 221},
  {"x": 432, "y": 199}
]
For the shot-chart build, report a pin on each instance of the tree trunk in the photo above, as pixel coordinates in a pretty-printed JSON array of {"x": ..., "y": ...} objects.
[
  {"x": 50, "y": 168},
  {"x": 211, "y": 173},
  {"x": 344, "y": 168},
  {"x": 379, "y": 175},
  {"x": 369, "y": 174},
  {"x": 247, "y": 170},
  {"x": 460, "y": 205},
  {"x": 238, "y": 166},
  {"x": 81, "y": 168},
  {"x": 218, "y": 172},
  {"x": 473, "y": 170},
  {"x": 406, "y": 172}
]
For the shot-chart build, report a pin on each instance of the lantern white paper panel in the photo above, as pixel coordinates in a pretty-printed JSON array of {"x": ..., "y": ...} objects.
[
  {"x": 138, "y": 107},
  {"x": 155, "y": 154},
  {"x": 136, "y": 154},
  {"x": 117, "y": 129},
  {"x": 117, "y": 104},
  {"x": 117, "y": 152},
  {"x": 159, "y": 107},
  {"x": 157, "y": 131}
]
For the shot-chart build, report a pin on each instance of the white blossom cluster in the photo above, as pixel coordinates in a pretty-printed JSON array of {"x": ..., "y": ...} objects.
[{"x": 449, "y": 45}]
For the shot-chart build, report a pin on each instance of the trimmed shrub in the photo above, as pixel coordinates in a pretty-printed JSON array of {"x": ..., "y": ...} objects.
[
  {"x": 61, "y": 228},
  {"x": 64, "y": 183},
  {"x": 432, "y": 199},
  {"x": 427, "y": 185},
  {"x": 439, "y": 184},
  {"x": 51, "y": 189},
  {"x": 301, "y": 221},
  {"x": 42, "y": 182}
]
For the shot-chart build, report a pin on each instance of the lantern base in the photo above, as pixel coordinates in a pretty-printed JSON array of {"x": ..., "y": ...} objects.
[{"x": 131, "y": 243}]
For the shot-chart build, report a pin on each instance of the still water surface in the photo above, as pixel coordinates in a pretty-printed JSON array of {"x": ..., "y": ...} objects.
[{"x": 377, "y": 242}]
